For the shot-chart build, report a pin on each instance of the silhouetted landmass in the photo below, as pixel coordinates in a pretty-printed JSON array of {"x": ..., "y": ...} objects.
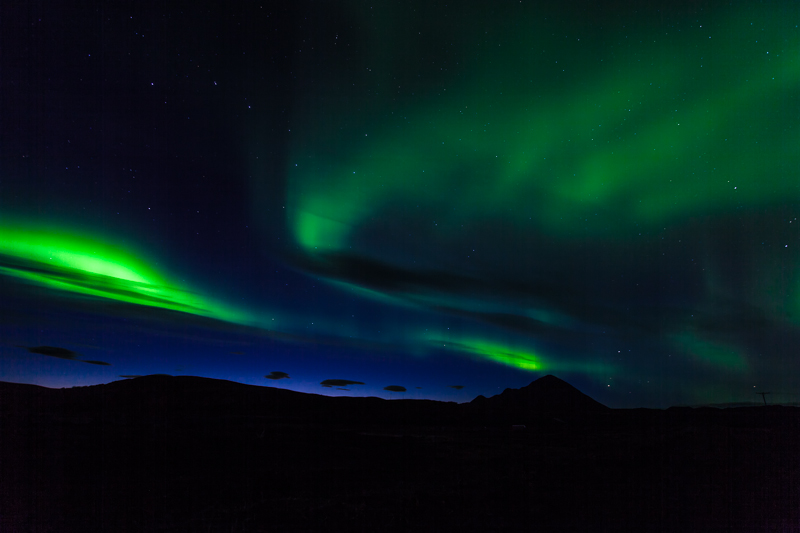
[
  {"x": 546, "y": 398},
  {"x": 163, "y": 453}
]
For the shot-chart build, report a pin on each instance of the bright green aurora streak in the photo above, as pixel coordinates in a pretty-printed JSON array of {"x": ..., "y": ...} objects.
[{"x": 88, "y": 265}]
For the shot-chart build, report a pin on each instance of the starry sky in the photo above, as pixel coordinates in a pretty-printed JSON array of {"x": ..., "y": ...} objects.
[{"x": 404, "y": 199}]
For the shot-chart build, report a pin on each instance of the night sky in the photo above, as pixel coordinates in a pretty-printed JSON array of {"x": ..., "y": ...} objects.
[{"x": 404, "y": 199}]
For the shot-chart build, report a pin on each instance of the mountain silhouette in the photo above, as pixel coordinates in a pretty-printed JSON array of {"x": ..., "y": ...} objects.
[
  {"x": 547, "y": 397},
  {"x": 182, "y": 453}
]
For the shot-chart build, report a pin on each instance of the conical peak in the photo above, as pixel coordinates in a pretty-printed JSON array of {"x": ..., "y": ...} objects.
[{"x": 549, "y": 382}]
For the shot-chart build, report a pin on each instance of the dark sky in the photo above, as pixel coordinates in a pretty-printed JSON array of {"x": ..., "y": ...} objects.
[{"x": 413, "y": 195}]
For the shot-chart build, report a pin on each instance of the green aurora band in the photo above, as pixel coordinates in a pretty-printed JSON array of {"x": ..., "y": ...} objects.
[
  {"x": 701, "y": 129},
  {"x": 715, "y": 354},
  {"x": 496, "y": 352},
  {"x": 649, "y": 134},
  {"x": 523, "y": 358},
  {"x": 84, "y": 264}
]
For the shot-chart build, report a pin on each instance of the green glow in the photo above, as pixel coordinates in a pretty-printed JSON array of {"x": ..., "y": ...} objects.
[
  {"x": 524, "y": 360},
  {"x": 517, "y": 357},
  {"x": 84, "y": 264},
  {"x": 319, "y": 232},
  {"x": 625, "y": 151},
  {"x": 710, "y": 352},
  {"x": 650, "y": 134}
]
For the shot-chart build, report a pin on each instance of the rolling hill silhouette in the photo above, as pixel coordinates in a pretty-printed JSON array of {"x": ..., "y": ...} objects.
[
  {"x": 181, "y": 396},
  {"x": 164, "y": 453}
]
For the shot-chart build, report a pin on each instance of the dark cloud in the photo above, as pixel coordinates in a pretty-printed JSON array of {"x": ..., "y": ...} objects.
[
  {"x": 277, "y": 375},
  {"x": 457, "y": 387},
  {"x": 562, "y": 292},
  {"x": 382, "y": 276},
  {"x": 395, "y": 388},
  {"x": 53, "y": 351},
  {"x": 61, "y": 353},
  {"x": 130, "y": 376},
  {"x": 339, "y": 383},
  {"x": 522, "y": 324}
]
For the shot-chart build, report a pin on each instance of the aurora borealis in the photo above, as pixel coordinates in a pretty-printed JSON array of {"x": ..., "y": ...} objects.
[
  {"x": 406, "y": 195},
  {"x": 85, "y": 265}
]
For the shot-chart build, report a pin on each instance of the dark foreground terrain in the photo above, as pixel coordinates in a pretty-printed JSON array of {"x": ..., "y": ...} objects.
[{"x": 163, "y": 453}]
